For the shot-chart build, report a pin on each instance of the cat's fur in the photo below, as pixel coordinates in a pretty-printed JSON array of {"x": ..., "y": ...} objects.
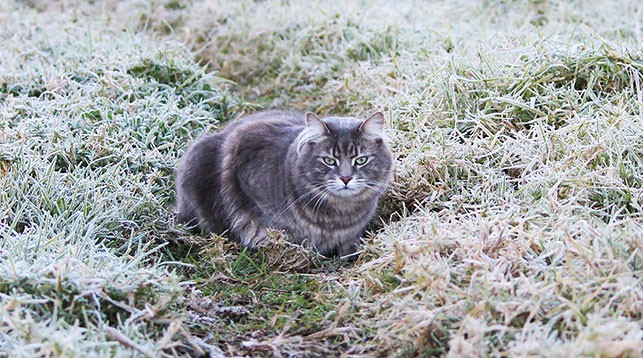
[{"x": 268, "y": 170}]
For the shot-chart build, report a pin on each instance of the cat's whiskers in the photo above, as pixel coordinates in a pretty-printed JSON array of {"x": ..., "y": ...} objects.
[
  {"x": 375, "y": 189},
  {"x": 378, "y": 184},
  {"x": 378, "y": 187},
  {"x": 300, "y": 198},
  {"x": 321, "y": 199},
  {"x": 372, "y": 185},
  {"x": 318, "y": 196}
]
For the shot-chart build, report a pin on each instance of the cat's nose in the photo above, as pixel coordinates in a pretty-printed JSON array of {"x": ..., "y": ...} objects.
[{"x": 345, "y": 179}]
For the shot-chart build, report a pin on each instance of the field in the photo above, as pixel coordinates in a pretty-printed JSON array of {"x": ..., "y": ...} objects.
[{"x": 513, "y": 227}]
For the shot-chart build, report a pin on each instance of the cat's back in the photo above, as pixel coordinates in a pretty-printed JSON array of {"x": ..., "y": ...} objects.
[
  {"x": 268, "y": 123},
  {"x": 261, "y": 137}
]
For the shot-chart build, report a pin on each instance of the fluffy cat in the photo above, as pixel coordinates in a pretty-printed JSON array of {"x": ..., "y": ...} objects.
[{"x": 319, "y": 180}]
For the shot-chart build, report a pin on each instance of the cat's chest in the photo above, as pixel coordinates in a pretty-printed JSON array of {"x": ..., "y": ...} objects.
[
  {"x": 318, "y": 232},
  {"x": 322, "y": 220}
]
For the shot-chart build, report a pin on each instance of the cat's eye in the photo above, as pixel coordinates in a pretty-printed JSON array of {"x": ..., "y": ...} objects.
[
  {"x": 330, "y": 161},
  {"x": 361, "y": 160}
]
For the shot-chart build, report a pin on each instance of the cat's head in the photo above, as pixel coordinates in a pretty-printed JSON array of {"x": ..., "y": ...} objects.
[{"x": 344, "y": 157}]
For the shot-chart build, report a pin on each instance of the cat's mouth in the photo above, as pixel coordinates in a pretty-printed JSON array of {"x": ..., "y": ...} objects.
[{"x": 346, "y": 191}]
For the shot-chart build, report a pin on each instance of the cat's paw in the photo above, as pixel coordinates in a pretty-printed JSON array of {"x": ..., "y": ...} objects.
[
  {"x": 260, "y": 239},
  {"x": 350, "y": 250},
  {"x": 253, "y": 235}
]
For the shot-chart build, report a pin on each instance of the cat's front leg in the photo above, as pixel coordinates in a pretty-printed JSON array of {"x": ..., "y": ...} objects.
[{"x": 349, "y": 249}]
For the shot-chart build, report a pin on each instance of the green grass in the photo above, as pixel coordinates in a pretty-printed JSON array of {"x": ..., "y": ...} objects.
[{"x": 513, "y": 225}]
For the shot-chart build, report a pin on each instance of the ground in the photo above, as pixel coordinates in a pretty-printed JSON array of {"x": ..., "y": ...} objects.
[{"x": 513, "y": 226}]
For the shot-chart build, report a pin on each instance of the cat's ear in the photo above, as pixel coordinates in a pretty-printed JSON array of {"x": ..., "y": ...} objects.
[
  {"x": 315, "y": 130},
  {"x": 315, "y": 124},
  {"x": 374, "y": 124}
]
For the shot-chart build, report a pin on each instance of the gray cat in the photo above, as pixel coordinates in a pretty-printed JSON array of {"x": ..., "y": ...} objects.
[{"x": 319, "y": 180}]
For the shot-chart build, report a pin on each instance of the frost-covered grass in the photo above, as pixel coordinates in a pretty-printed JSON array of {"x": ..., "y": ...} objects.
[{"x": 514, "y": 225}]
